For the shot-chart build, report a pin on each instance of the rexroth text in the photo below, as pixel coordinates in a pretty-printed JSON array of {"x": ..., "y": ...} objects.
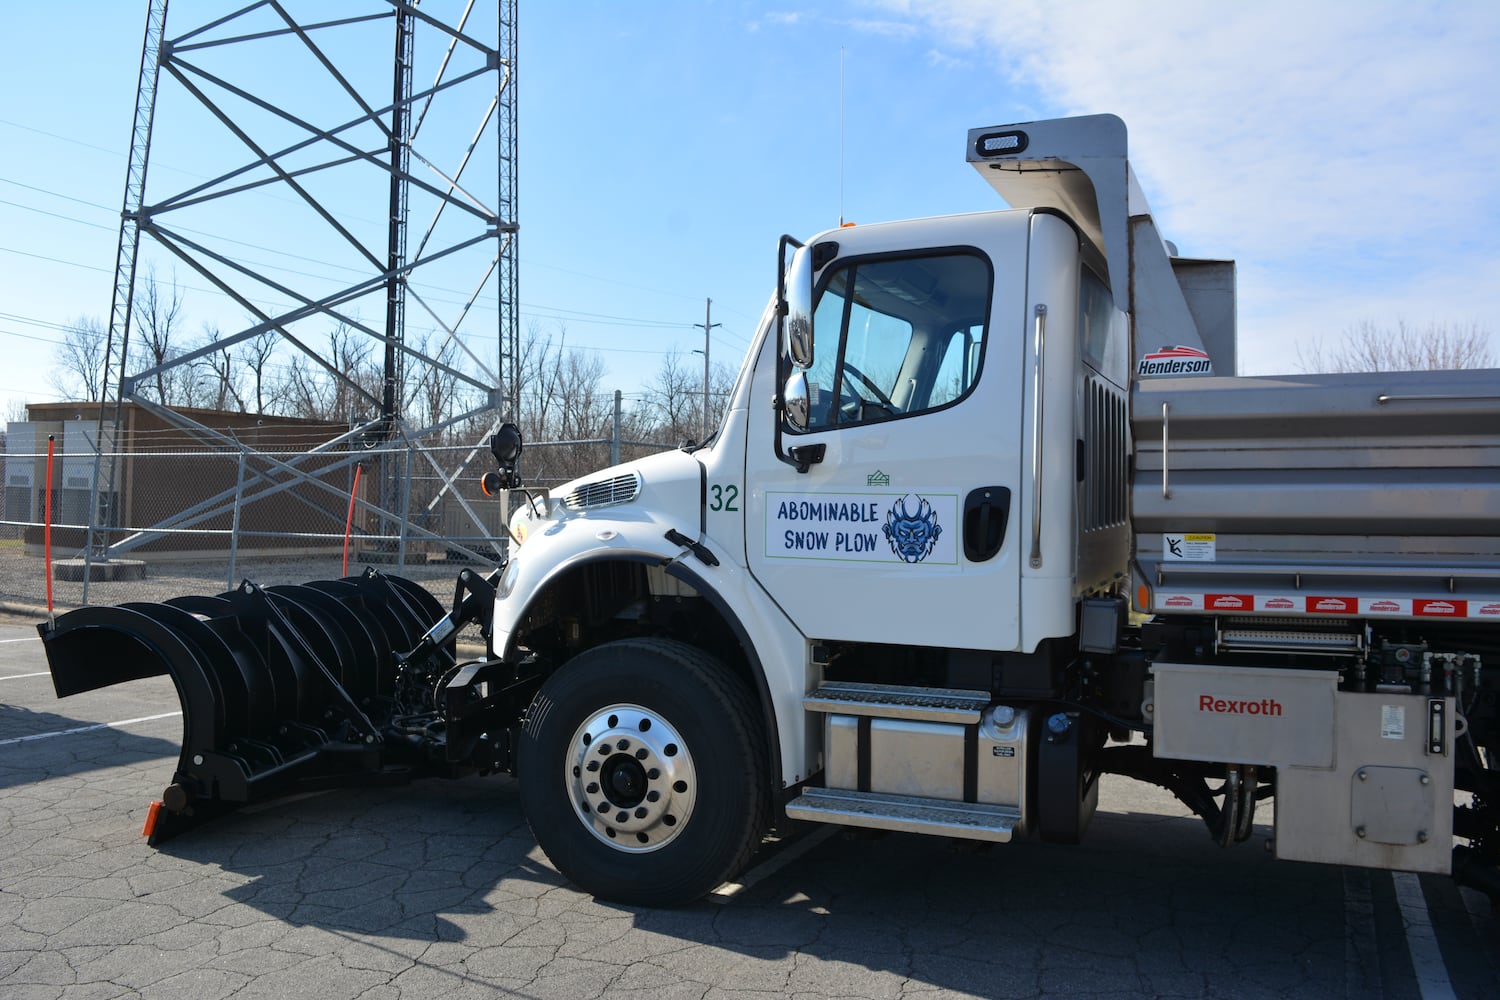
[{"x": 1226, "y": 706}]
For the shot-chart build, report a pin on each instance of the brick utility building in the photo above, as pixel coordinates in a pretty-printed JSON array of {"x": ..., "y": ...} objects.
[{"x": 175, "y": 493}]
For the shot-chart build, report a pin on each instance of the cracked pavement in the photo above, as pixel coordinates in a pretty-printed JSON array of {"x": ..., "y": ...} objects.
[{"x": 438, "y": 889}]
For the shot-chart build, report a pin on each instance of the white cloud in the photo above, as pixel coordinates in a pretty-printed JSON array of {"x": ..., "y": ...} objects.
[
  {"x": 938, "y": 59},
  {"x": 1343, "y": 152}
]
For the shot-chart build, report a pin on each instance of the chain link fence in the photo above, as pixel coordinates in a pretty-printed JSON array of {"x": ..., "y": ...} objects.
[{"x": 168, "y": 522}]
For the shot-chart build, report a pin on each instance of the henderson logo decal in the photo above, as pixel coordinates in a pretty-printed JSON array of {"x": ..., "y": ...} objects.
[
  {"x": 1229, "y": 602},
  {"x": 1415, "y": 607},
  {"x": 863, "y": 527},
  {"x": 1176, "y": 361}
]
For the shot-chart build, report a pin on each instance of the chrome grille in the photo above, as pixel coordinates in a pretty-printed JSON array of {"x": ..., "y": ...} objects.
[{"x": 604, "y": 493}]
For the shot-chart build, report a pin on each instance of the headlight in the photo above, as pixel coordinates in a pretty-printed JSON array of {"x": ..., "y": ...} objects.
[{"x": 507, "y": 579}]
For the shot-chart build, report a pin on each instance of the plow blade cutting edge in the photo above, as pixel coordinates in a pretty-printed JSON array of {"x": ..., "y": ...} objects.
[{"x": 283, "y": 689}]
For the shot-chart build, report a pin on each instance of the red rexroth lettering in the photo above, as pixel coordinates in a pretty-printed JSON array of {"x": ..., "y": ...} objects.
[{"x": 1230, "y": 706}]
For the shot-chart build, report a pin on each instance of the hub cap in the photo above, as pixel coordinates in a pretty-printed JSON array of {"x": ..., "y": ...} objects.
[{"x": 631, "y": 778}]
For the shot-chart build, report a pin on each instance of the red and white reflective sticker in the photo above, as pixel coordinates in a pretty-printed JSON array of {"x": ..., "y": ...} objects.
[
  {"x": 1277, "y": 603},
  {"x": 1179, "y": 602},
  {"x": 1229, "y": 602},
  {"x": 1328, "y": 604}
]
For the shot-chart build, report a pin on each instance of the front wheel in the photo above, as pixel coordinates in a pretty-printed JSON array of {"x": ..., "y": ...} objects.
[{"x": 643, "y": 772}]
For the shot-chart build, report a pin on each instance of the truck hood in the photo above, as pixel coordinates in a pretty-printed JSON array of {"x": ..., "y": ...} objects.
[{"x": 662, "y": 491}]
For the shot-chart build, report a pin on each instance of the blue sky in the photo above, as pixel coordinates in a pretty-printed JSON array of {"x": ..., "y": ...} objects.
[{"x": 1343, "y": 152}]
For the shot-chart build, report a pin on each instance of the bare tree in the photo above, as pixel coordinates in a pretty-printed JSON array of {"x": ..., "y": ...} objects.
[
  {"x": 583, "y": 411},
  {"x": 224, "y": 376},
  {"x": 255, "y": 356},
  {"x": 80, "y": 368},
  {"x": 158, "y": 315},
  {"x": 437, "y": 391},
  {"x": 536, "y": 375},
  {"x": 673, "y": 402},
  {"x": 1368, "y": 347},
  {"x": 309, "y": 390}
]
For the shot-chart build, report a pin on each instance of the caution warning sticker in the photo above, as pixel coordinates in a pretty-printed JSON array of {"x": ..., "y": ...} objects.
[{"x": 1188, "y": 547}]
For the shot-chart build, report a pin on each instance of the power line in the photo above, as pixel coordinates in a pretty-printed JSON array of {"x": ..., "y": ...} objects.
[
  {"x": 553, "y": 312},
  {"x": 54, "y": 215},
  {"x": 61, "y": 138}
]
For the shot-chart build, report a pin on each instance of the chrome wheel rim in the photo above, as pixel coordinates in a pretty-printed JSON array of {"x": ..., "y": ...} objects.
[{"x": 631, "y": 778}]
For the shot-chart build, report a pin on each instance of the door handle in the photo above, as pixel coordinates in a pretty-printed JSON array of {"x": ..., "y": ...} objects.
[{"x": 986, "y": 511}]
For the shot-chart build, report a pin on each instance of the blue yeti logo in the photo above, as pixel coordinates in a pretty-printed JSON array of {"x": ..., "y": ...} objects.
[{"x": 912, "y": 536}]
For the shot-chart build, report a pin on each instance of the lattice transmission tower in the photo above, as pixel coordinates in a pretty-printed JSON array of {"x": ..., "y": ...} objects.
[{"x": 280, "y": 151}]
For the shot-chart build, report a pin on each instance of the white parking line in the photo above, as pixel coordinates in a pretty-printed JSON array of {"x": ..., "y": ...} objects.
[
  {"x": 87, "y": 729},
  {"x": 16, "y": 677},
  {"x": 1421, "y": 939},
  {"x": 33, "y": 638},
  {"x": 771, "y": 865}
]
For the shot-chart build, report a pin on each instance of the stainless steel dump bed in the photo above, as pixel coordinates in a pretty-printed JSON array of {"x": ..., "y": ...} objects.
[{"x": 1345, "y": 494}]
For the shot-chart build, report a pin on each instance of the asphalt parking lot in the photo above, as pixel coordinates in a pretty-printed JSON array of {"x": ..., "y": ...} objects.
[{"x": 438, "y": 889}]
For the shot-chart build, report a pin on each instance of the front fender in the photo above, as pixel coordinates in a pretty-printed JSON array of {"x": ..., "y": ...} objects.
[{"x": 775, "y": 650}]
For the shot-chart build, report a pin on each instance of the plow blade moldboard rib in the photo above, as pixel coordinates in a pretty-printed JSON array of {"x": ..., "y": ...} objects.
[{"x": 282, "y": 688}]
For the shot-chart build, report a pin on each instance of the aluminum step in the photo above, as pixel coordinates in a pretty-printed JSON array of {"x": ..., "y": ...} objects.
[
  {"x": 886, "y": 701},
  {"x": 906, "y": 814}
]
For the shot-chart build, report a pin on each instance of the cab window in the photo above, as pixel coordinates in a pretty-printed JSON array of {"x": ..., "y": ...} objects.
[{"x": 897, "y": 336}]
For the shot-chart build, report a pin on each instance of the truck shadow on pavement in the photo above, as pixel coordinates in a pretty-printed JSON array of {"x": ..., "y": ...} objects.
[
  {"x": 420, "y": 861},
  {"x": 1148, "y": 905}
]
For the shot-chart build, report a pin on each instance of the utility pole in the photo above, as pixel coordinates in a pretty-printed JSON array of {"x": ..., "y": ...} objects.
[{"x": 707, "y": 325}]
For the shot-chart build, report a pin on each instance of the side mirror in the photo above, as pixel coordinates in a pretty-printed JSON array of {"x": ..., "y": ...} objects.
[
  {"x": 795, "y": 301},
  {"x": 795, "y": 400},
  {"x": 794, "y": 287}
]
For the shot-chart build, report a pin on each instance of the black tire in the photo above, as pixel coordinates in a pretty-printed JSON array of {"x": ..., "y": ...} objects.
[{"x": 677, "y": 746}]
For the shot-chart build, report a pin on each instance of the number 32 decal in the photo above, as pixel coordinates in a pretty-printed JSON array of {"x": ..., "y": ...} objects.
[{"x": 723, "y": 498}]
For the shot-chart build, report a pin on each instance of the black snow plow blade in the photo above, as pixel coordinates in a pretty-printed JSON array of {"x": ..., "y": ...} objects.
[{"x": 283, "y": 689}]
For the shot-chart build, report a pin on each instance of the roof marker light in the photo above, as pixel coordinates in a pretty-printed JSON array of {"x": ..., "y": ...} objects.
[{"x": 1001, "y": 143}]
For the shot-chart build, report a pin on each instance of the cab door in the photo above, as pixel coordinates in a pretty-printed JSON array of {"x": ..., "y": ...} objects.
[{"x": 906, "y": 529}]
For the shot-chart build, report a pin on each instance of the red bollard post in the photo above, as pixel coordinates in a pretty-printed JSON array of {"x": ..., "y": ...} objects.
[
  {"x": 349, "y": 521},
  {"x": 47, "y": 522}
]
